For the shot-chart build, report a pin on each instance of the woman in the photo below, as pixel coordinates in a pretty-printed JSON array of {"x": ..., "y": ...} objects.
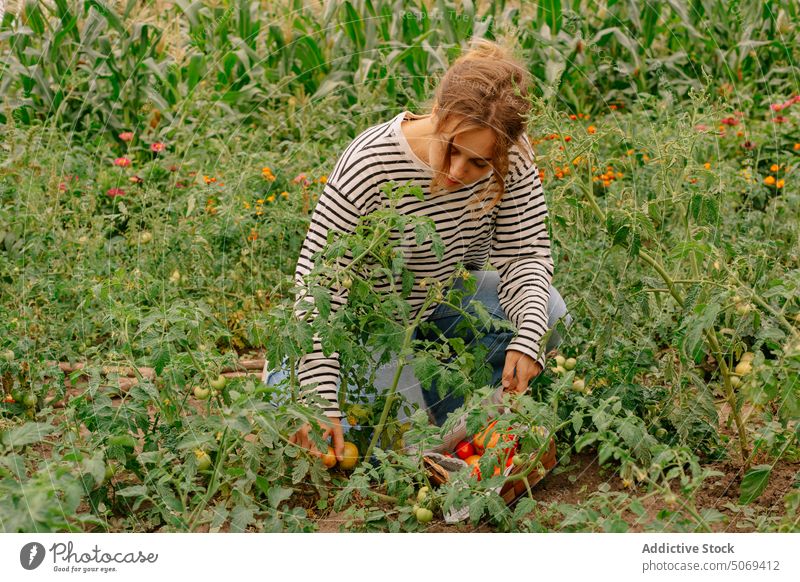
[{"x": 471, "y": 153}]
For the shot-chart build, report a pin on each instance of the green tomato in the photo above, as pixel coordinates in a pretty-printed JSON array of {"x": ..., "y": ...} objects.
[
  {"x": 570, "y": 364},
  {"x": 219, "y": 383},
  {"x": 422, "y": 494},
  {"x": 560, "y": 361},
  {"x": 201, "y": 393},
  {"x": 203, "y": 460},
  {"x": 661, "y": 433},
  {"x": 29, "y": 400},
  {"x": 424, "y": 515}
]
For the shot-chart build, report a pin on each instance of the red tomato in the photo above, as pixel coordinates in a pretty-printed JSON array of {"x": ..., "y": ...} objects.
[
  {"x": 465, "y": 449},
  {"x": 473, "y": 461}
]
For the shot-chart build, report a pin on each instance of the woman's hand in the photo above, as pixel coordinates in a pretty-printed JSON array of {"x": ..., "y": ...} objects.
[
  {"x": 518, "y": 371},
  {"x": 333, "y": 428}
]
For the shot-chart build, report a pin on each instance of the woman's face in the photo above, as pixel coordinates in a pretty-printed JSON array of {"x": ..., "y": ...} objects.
[{"x": 470, "y": 155}]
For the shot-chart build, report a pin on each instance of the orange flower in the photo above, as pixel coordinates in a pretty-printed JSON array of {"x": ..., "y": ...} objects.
[
  {"x": 285, "y": 194},
  {"x": 773, "y": 168},
  {"x": 769, "y": 180},
  {"x": 253, "y": 235},
  {"x": 779, "y": 184},
  {"x": 209, "y": 179},
  {"x": 796, "y": 147},
  {"x": 573, "y": 117},
  {"x": 323, "y": 179},
  {"x": 122, "y": 162},
  {"x": 591, "y": 129},
  {"x": 268, "y": 175},
  {"x": 707, "y": 165}
]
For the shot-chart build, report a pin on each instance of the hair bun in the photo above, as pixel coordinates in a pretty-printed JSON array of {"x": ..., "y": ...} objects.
[{"x": 482, "y": 48}]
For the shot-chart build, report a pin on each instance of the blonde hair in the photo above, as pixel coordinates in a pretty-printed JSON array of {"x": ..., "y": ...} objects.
[{"x": 487, "y": 88}]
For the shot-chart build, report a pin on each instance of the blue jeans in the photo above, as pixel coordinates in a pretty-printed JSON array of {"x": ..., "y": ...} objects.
[{"x": 447, "y": 320}]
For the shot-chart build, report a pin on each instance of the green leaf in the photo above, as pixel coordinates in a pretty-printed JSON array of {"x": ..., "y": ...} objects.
[
  {"x": 754, "y": 483},
  {"x": 28, "y": 433},
  {"x": 278, "y": 495},
  {"x": 300, "y": 470},
  {"x": 322, "y": 299},
  {"x": 585, "y": 441},
  {"x": 133, "y": 491}
]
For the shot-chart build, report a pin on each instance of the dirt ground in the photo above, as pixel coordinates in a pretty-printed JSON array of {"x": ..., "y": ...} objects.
[{"x": 574, "y": 482}]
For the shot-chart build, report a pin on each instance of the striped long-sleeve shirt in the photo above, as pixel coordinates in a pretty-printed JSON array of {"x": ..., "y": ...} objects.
[{"x": 512, "y": 237}]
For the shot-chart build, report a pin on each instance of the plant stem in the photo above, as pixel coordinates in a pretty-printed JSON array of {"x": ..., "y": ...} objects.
[
  {"x": 396, "y": 380},
  {"x": 212, "y": 483}
]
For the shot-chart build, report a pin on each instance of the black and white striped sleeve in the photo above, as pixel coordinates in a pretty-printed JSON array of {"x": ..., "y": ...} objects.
[
  {"x": 521, "y": 253},
  {"x": 336, "y": 210}
]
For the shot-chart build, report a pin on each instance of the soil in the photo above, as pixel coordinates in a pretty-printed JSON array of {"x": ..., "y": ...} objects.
[{"x": 574, "y": 482}]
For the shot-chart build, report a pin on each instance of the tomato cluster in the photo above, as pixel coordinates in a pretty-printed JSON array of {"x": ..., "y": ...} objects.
[
  {"x": 504, "y": 445},
  {"x": 349, "y": 458}
]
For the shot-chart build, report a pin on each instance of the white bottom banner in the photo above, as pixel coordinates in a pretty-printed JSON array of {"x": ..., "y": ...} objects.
[{"x": 372, "y": 557}]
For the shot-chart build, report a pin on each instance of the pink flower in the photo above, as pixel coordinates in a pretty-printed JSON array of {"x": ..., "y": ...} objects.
[
  {"x": 738, "y": 113},
  {"x": 779, "y": 119},
  {"x": 748, "y": 145},
  {"x": 122, "y": 162},
  {"x": 701, "y": 127},
  {"x": 730, "y": 121},
  {"x": 776, "y": 106},
  {"x": 62, "y": 187},
  {"x": 135, "y": 179},
  {"x": 112, "y": 192},
  {"x": 158, "y": 146},
  {"x": 298, "y": 178},
  {"x": 796, "y": 98},
  {"x": 126, "y": 136}
]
